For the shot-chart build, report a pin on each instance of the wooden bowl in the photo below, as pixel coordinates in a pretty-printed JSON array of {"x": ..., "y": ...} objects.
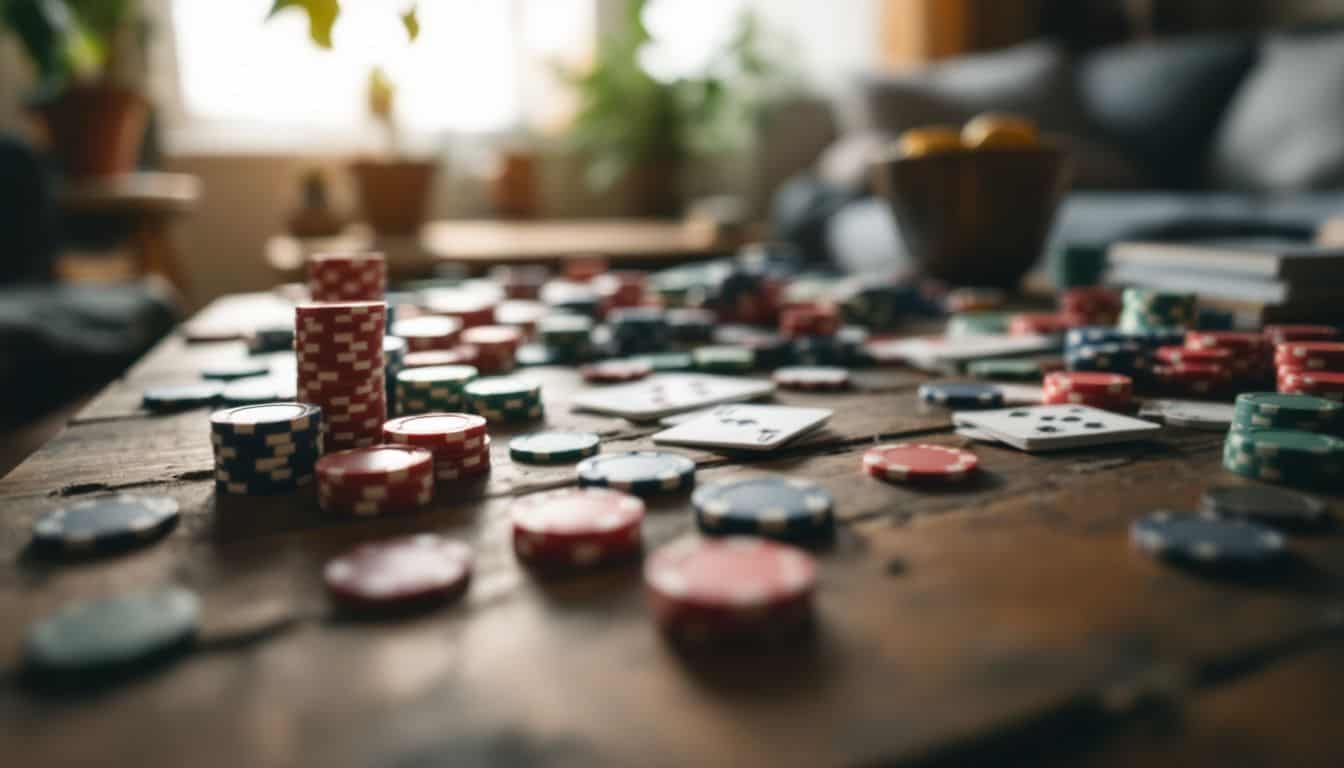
[{"x": 975, "y": 217}]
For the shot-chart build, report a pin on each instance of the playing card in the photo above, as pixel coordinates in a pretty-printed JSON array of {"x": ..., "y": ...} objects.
[
  {"x": 1191, "y": 414},
  {"x": 670, "y": 393},
  {"x": 1055, "y": 427},
  {"x": 950, "y": 353},
  {"x": 745, "y": 427}
]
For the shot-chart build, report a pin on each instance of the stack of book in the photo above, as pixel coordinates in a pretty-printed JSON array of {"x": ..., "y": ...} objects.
[{"x": 1258, "y": 281}]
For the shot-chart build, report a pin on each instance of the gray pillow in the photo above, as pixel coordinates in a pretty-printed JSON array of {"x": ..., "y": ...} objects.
[{"x": 1285, "y": 129}]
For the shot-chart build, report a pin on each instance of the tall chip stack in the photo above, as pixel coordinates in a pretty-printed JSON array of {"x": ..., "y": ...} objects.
[
  {"x": 347, "y": 277},
  {"x": 341, "y": 369},
  {"x": 265, "y": 449}
]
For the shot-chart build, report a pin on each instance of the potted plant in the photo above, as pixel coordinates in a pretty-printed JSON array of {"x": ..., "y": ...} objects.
[
  {"x": 638, "y": 128},
  {"x": 393, "y": 189},
  {"x": 94, "y": 124}
]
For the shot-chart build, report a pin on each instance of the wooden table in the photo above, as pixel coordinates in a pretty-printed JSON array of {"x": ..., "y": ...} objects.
[
  {"x": 479, "y": 245},
  {"x": 1005, "y": 621}
]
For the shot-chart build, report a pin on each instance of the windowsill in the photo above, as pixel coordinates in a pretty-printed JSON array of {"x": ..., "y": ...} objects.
[{"x": 211, "y": 139}]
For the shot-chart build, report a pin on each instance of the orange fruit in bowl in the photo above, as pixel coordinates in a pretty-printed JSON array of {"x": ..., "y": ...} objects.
[
  {"x": 929, "y": 140},
  {"x": 998, "y": 130}
]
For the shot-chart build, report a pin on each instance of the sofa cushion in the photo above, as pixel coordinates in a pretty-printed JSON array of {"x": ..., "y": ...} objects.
[
  {"x": 1285, "y": 129},
  {"x": 1160, "y": 102}
]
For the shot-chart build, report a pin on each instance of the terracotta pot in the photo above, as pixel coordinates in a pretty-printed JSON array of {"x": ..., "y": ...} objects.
[
  {"x": 654, "y": 188},
  {"x": 95, "y": 130},
  {"x": 975, "y": 217},
  {"x": 394, "y": 195}
]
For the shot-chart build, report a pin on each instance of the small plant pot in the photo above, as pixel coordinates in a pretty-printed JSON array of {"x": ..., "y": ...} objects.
[
  {"x": 95, "y": 130},
  {"x": 394, "y": 194}
]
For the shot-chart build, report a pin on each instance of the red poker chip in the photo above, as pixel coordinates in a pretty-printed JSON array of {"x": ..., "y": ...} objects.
[
  {"x": 379, "y": 464},
  {"x": 1039, "y": 324},
  {"x": 917, "y": 461},
  {"x": 401, "y": 572},
  {"x": 1311, "y": 354},
  {"x": 1233, "y": 340},
  {"x": 709, "y": 589},
  {"x": 1279, "y": 334},
  {"x": 492, "y": 337},
  {"x": 467, "y": 461},
  {"x": 1312, "y": 382},
  {"x": 434, "y": 430},
  {"x": 616, "y": 370},
  {"x": 431, "y": 358},
  {"x": 1218, "y": 355},
  {"x": 808, "y": 378},
  {"x": 1105, "y": 403},
  {"x": 416, "y": 491},
  {"x": 1090, "y": 382},
  {"x": 576, "y": 526}
]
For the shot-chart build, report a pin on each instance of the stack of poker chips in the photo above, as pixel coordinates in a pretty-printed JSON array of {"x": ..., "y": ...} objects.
[
  {"x": 458, "y": 442},
  {"x": 1093, "y": 305},
  {"x": 576, "y": 527},
  {"x": 805, "y": 320},
  {"x": 691, "y": 325},
  {"x": 521, "y": 314},
  {"x": 1107, "y": 391},
  {"x": 1201, "y": 371},
  {"x": 569, "y": 296},
  {"x": 496, "y": 347},
  {"x": 341, "y": 369},
  {"x": 1311, "y": 367},
  {"x": 768, "y": 350},
  {"x": 567, "y": 337},
  {"x": 436, "y": 388},
  {"x": 521, "y": 281},
  {"x": 977, "y": 324},
  {"x": 428, "y": 334},
  {"x": 638, "y": 331},
  {"x": 1252, "y": 354},
  {"x": 621, "y": 288},
  {"x": 505, "y": 399},
  {"x": 394, "y": 357},
  {"x": 1037, "y": 324},
  {"x": 469, "y": 306},
  {"x": 265, "y": 449},
  {"x": 1283, "y": 438},
  {"x": 375, "y": 480},
  {"x": 882, "y": 306},
  {"x": 1145, "y": 310},
  {"x": 347, "y": 277},
  {"x": 1127, "y": 357}
]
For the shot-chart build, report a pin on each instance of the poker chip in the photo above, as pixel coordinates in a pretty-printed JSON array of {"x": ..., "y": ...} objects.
[
  {"x": 977, "y": 324},
  {"x": 435, "y": 357},
  {"x": 1311, "y": 355},
  {"x": 609, "y": 371},
  {"x": 375, "y": 480},
  {"x": 347, "y": 277},
  {"x": 104, "y": 523},
  {"x": 1206, "y": 355},
  {"x": 1291, "y": 457},
  {"x": 408, "y": 572},
  {"x": 428, "y": 333},
  {"x": 113, "y": 634},
  {"x": 1266, "y": 504},
  {"x": 265, "y": 449},
  {"x": 576, "y": 527},
  {"x": 916, "y": 462},
  {"x": 729, "y": 588},
  {"x": 1091, "y": 383},
  {"x": 667, "y": 361},
  {"x": 1327, "y": 384},
  {"x": 724, "y": 359},
  {"x": 1280, "y": 334},
  {"x": 778, "y": 507},
  {"x": 554, "y": 447},
  {"x": 433, "y": 389},
  {"x": 639, "y": 472},
  {"x": 961, "y": 395},
  {"x": 503, "y": 390},
  {"x": 269, "y": 419},
  {"x": 1272, "y": 410},
  {"x": 181, "y": 397},
  {"x": 434, "y": 429},
  {"x": 342, "y": 368},
  {"x": 1034, "y": 324},
  {"x": 239, "y": 369},
  {"x": 812, "y": 378},
  {"x": 1204, "y": 540},
  {"x": 1008, "y": 369}
]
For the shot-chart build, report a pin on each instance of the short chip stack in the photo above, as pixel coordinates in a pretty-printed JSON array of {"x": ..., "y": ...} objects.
[
  {"x": 1251, "y": 354},
  {"x": 1311, "y": 367},
  {"x": 690, "y": 326},
  {"x": 470, "y": 307},
  {"x": 621, "y": 288},
  {"x": 458, "y": 441},
  {"x": 1145, "y": 310},
  {"x": 437, "y": 388},
  {"x": 376, "y": 480},
  {"x": 505, "y": 399},
  {"x": 496, "y": 347},
  {"x": 340, "y": 369},
  {"x": 1107, "y": 391},
  {"x": 638, "y": 330},
  {"x": 1271, "y": 410},
  {"x": 576, "y": 527},
  {"x": 568, "y": 337},
  {"x": 347, "y": 277},
  {"x": 1292, "y": 457},
  {"x": 267, "y": 449},
  {"x": 425, "y": 334}
]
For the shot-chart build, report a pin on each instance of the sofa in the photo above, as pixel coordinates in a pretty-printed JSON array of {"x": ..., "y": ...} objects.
[
  {"x": 59, "y": 341},
  {"x": 1235, "y": 133}
]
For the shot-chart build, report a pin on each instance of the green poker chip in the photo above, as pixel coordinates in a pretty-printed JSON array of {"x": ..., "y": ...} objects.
[
  {"x": 501, "y": 391},
  {"x": 1007, "y": 369},
  {"x": 554, "y": 447},
  {"x": 669, "y": 361},
  {"x": 113, "y": 634},
  {"x": 724, "y": 359},
  {"x": 452, "y": 376},
  {"x": 1273, "y": 410},
  {"x": 978, "y": 324}
]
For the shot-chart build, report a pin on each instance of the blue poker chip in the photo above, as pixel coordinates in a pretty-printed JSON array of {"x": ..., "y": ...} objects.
[
  {"x": 181, "y": 397},
  {"x": 274, "y": 484},
  {"x": 237, "y": 369},
  {"x": 962, "y": 395},
  {"x": 1206, "y": 540},
  {"x": 112, "y": 635},
  {"x": 104, "y": 523},
  {"x": 1098, "y": 334},
  {"x": 774, "y": 506},
  {"x": 554, "y": 447},
  {"x": 267, "y": 419},
  {"x": 639, "y": 472}
]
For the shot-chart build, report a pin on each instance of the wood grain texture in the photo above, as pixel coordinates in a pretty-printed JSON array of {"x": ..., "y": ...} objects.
[{"x": 1007, "y": 619}]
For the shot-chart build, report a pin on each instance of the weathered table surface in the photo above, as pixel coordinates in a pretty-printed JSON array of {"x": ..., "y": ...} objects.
[{"x": 1009, "y": 619}]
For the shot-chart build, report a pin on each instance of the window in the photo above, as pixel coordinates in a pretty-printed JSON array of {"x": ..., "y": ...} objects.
[{"x": 474, "y": 65}]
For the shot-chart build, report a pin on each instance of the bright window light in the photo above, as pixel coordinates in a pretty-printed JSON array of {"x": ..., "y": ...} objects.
[{"x": 462, "y": 74}]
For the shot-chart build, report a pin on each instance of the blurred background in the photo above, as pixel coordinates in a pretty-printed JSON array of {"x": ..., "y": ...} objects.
[{"x": 158, "y": 154}]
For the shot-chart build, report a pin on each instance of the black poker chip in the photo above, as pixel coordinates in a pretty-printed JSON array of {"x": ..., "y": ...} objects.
[
  {"x": 181, "y": 397},
  {"x": 642, "y": 473},
  {"x": 1271, "y": 505},
  {"x": 104, "y": 523},
  {"x": 1207, "y": 541},
  {"x": 962, "y": 395},
  {"x": 773, "y": 506}
]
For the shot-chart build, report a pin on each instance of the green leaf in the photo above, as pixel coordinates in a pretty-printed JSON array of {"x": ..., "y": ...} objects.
[
  {"x": 411, "y": 20},
  {"x": 322, "y": 15}
]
